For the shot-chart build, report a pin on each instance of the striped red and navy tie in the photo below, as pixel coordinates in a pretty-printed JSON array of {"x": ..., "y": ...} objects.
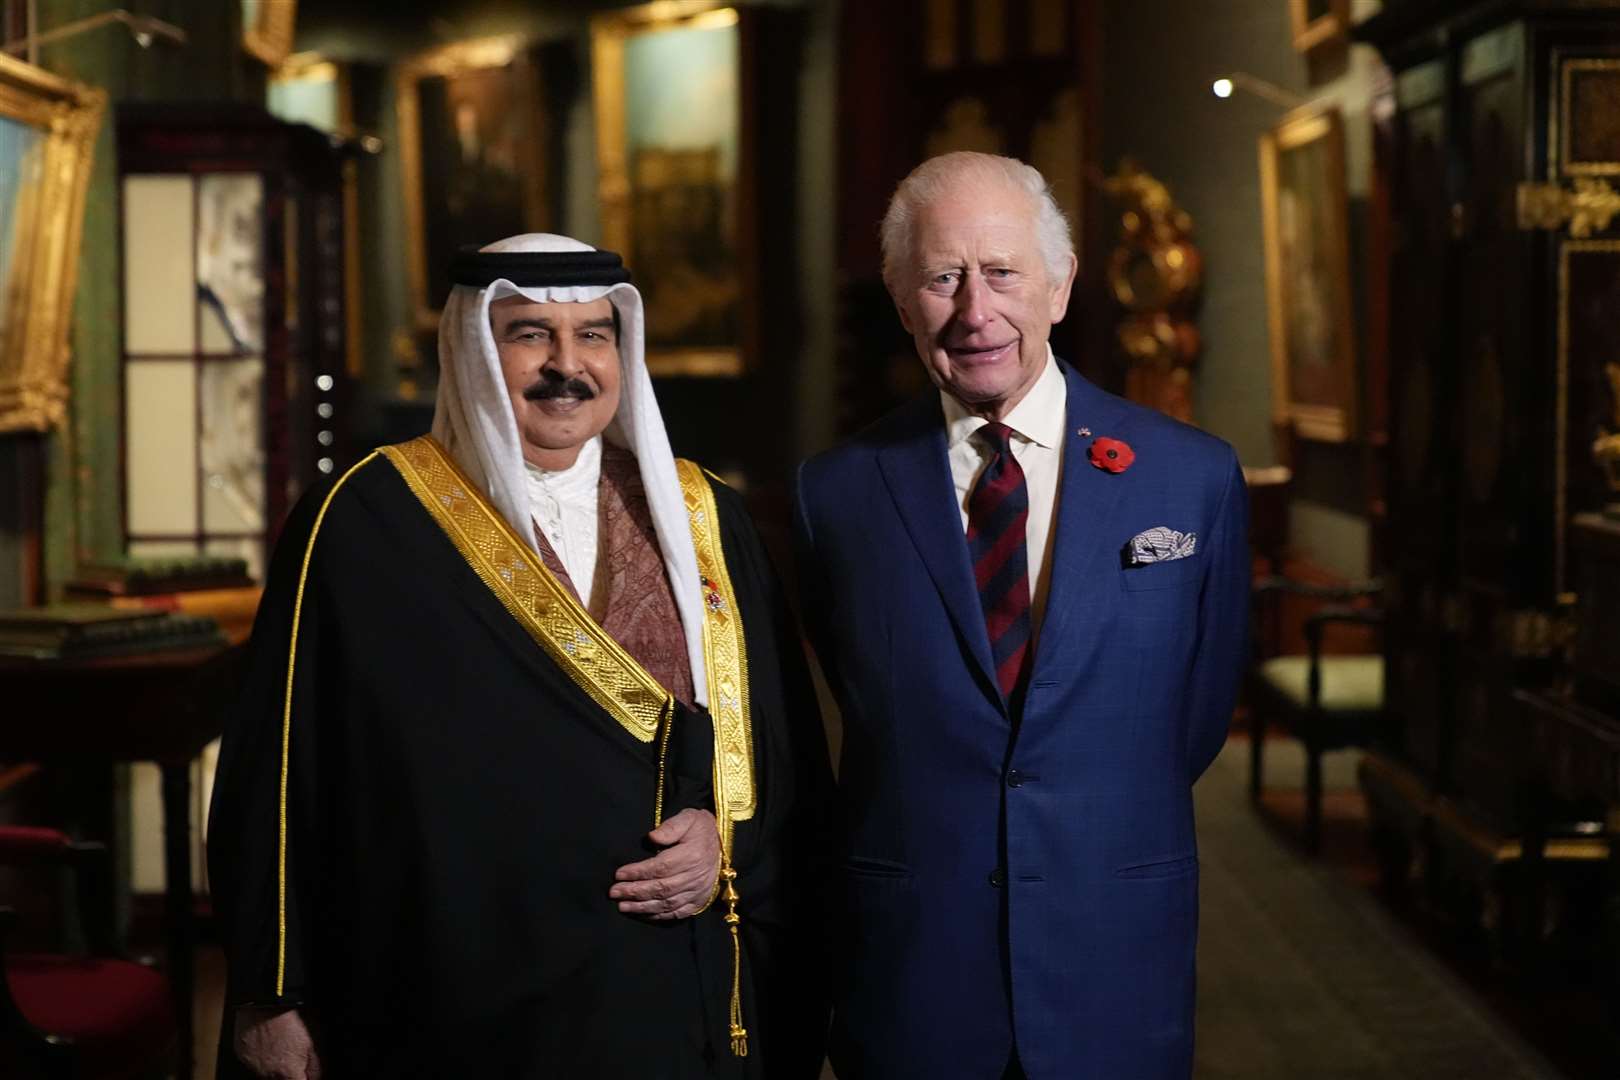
[{"x": 998, "y": 512}]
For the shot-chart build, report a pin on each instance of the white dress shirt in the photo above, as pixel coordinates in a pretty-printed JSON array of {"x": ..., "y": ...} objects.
[
  {"x": 1039, "y": 425},
  {"x": 564, "y": 505}
]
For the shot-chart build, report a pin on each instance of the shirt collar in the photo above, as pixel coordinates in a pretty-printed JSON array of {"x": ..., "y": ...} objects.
[
  {"x": 1038, "y": 418},
  {"x": 575, "y": 484}
]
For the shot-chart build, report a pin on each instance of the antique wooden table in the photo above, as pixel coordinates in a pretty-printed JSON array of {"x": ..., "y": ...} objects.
[{"x": 162, "y": 707}]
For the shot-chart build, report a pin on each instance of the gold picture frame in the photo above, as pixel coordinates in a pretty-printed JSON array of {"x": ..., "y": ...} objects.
[
  {"x": 503, "y": 140},
  {"x": 674, "y": 150},
  {"x": 267, "y": 29},
  {"x": 1319, "y": 22},
  {"x": 1305, "y": 216},
  {"x": 45, "y": 156}
]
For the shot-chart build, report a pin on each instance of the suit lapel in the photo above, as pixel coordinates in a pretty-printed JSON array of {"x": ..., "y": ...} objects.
[
  {"x": 1088, "y": 498},
  {"x": 918, "y": 475}
]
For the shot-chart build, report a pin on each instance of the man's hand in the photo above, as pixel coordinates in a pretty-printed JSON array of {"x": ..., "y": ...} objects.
[
  {"x": 275, "y": 1044},
  {"x": 678, "y": 881}
]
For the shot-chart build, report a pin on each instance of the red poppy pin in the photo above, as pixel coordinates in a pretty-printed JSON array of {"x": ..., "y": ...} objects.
[{"x": 1111, "y": 455}]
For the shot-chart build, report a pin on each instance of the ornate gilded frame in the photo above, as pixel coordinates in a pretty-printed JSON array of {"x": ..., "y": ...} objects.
[
  {"x": 49, "y": 216},
  {"x": 1310, "y": 33},
  {"x": 1328, "y": 415},
  {"x": 448, "y": 61},
  {"x": 609, "y": 32},
  {"x": 270, "y": 38}
]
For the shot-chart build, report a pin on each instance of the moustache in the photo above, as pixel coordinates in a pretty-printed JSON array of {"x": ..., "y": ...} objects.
[{"x": 557, "y": 386}]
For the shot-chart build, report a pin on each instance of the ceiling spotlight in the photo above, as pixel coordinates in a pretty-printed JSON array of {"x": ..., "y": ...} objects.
[{"x": 1225, "y": 85}]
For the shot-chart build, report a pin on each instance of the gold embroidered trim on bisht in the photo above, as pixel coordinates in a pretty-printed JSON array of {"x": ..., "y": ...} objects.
[
  {"x": 596, "y": 663},
  {"x": 725, "y": 655},
  {"x": 286, "y": 727}
]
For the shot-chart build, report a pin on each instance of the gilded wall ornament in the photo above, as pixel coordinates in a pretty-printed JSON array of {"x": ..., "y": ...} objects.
[
  {"x": 1606, "y": 450},
  {"x": 1589, "y": 206},
  {"x": 1155, "y": 274}
]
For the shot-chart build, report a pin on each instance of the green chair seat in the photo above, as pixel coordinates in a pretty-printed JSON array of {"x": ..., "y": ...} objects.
[{"x": 1350, "y": 684}]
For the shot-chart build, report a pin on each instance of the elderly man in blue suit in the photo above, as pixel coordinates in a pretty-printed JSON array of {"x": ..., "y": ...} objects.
[{"x": 1030, "y": 598}]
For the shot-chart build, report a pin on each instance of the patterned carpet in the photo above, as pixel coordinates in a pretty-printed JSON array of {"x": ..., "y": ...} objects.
[{"x": 1302, "y": 976}]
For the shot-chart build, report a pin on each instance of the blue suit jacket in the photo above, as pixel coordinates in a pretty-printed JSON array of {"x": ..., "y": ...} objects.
[{"x": 1041, "y": 889}]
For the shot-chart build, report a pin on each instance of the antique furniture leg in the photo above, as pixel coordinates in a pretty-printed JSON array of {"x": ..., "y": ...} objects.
[
  {"x": 1257, "y": 751},
  {"x": 1610, "y": 924},
  {"x": 1313, "y": 798},
  {"x": 178, "y": 904}
]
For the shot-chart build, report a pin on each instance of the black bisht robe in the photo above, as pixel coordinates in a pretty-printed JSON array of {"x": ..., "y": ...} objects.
[{"x": 456, "y": 807}]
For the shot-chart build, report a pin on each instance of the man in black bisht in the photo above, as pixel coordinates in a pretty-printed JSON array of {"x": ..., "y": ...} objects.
[{"x": 527, "y": 778}]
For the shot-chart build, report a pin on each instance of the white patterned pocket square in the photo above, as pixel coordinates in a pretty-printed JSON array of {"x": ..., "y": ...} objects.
[{"x": 1159, "y": 545}]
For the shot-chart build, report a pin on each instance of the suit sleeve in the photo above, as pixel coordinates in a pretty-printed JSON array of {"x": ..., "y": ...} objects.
[
  {"x": 257, "y": 887},
  {"x": 1223, "y": 626}
]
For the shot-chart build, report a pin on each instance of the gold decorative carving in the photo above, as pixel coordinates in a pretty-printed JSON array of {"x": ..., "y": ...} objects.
[
  {"x": 1606, "y": 450},
  {"x": 1155, "y": 274},
  {"x": 42, "y": 249},
  {"x": 1587, "y": 207}
]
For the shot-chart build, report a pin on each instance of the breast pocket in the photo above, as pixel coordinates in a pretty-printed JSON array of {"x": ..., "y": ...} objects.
[
  {"x": 1171, "y": 574},
  {"x": 1162, "y": 595}
]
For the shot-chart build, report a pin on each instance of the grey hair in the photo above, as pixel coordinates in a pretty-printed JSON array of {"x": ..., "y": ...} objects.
[{"x": 934, "y": 177}]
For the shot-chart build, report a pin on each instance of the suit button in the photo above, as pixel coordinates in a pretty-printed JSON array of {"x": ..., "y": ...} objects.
[
  {"x": 997, "y": 878},
  {"x": 1015, "y": 778}
]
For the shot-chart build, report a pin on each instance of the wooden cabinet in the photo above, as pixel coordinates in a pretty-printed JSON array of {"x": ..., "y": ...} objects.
[
  {"x": 235, "y": 389},
  {"x": 1504, "y": 312},
  {"x": 1499, "y": 791}
]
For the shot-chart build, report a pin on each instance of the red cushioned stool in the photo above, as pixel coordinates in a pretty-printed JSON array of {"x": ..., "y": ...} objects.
[{"x": 89, "y": 1017}]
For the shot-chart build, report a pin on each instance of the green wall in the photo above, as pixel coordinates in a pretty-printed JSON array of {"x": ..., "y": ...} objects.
[{"x": 83, "y": 501}]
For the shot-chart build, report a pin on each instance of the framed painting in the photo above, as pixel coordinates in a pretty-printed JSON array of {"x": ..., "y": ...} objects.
[
  {"x": 1306, "y": 222},
  {"x": 1319, "y": 22},
  {"x": 674, "y": 176},
  {"x": 267, "y": 29},
  {"x": 471, "y": 134},
  {"x": 48, "y": 129}
]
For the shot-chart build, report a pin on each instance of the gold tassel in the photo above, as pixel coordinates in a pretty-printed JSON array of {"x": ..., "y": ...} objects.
[
  {"x": 666, "y": 719},
  {"x": 739, "y": 1034}
]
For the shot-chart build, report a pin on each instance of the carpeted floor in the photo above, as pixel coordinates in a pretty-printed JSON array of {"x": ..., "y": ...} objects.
[{"x": 1302, "y": 976}]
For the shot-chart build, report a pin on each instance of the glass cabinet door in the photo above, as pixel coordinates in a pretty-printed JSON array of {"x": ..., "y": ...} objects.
[{"x": 194, "y": 367}]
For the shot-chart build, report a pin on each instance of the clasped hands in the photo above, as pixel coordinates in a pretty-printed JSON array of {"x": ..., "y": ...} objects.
[{"x": 676, "y": 883}]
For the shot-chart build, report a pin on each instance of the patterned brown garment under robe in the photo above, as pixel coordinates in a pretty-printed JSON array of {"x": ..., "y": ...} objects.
[{"x": 632, "y": 600}]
